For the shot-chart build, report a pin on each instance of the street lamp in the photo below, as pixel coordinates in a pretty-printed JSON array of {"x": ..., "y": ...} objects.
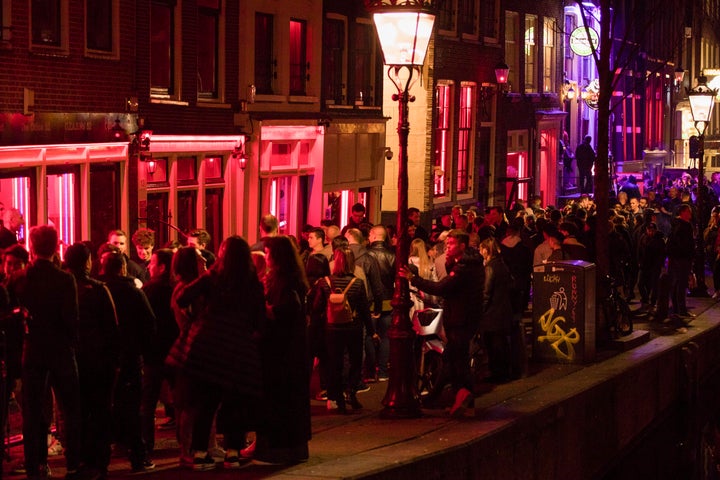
[
  {"x": 702, "y": 101},
  {"x": 404, "y": 28}
]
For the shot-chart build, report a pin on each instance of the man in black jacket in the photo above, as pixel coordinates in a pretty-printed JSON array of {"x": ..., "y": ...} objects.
[
  {"x": 462, "y": 293},
  {"x": 51, "y": 299},
  {"x": 680, "y": 251},
  {"x": 136, "y": 323},
  {"x": 382, "y": 313},
  {"x": 585, "y": 159},
  {"x": 97, "y": 359}
]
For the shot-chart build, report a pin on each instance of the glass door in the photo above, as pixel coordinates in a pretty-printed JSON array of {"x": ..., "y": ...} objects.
[{"x": 63, "y": 204}]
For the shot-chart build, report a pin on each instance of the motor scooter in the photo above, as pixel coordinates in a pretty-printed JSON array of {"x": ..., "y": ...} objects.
[{"x": 430, "y": 345}]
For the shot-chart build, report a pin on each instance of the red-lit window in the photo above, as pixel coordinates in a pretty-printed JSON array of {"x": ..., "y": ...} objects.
[
  {"x": 162, "y": 52},
  {"x": 213, "y": 169},
  {"x": 160, "y": 175},
  {"x": 99, "y": 25},
  {"x": 265, "y": 62},
  {"x": 333, "y": 51},
  {"x": 207, "y": 53},
  {"x": 361, "y": 63},
  {"x": 465, "y": 133},
  {"x": 187, "y": 171},
  {"x": 298, "y": 57},
  {"x": 213, "y": 216},
  {"x": 63, "y": 205},
  {"x": 653, "y": 113},
  {"x": 186, "y": 210},
  {"x": 443, "y": 99}
]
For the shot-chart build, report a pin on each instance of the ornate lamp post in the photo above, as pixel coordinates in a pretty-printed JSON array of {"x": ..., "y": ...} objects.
[
  {"x": 404, "y": 28},
  {"x": 702, "y": 101}
]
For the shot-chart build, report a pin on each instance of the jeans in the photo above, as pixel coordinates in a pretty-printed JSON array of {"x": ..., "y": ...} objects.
[
  {"x": 377, "y": 356},
  {"x": 59, "y": 370},
  {"x": 339, "y": 340},
  {"x": 153, "y": 376}
]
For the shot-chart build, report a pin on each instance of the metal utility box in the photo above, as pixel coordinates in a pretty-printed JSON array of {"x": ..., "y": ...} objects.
[{"x": 564, "y": 311}]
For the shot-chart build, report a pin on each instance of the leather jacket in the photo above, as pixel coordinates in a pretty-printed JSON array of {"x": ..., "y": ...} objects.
[{"x": 386, "y": 264}]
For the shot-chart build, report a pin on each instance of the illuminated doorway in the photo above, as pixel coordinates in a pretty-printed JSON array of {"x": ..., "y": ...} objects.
[{"x": 63, "y": 204}]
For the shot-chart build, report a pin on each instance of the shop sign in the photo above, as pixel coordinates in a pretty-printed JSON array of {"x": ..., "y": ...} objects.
[
  {"x": 56, "y": 128},
  {"x": 582, "y": 44}
]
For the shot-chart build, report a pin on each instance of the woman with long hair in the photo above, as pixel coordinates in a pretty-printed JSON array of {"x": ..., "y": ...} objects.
[
  {"x": 221, "y": 358},
  {"x": 345, "y": 336},
  {"x": 187, "y": 265},
  {"x": 284, "y": 430}
]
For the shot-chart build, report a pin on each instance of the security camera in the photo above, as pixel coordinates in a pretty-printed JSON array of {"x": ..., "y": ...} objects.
[{"x": 388, "y": 153}]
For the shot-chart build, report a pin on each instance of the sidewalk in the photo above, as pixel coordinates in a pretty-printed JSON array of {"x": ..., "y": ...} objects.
[{"x": 362, "y": 445}]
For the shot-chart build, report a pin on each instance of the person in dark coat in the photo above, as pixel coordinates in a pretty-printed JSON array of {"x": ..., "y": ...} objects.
[
  {"x": 97, "y": 358},
  {"x": 50, "y": 297},
  {"x": 284, "y": 431},
  {"x": 377, "y": 355},
  {"x": 497, "y": 311},
  {"x": 345, "y": 337},
  {"x": 461, "y": 291},
  {"x": 651, "y": 256},
  {"x": 136, "y": 322},
  {"x": 219, "y": 353},
  {"x": 159, "y": 291},
  {"x": 585, "y": 159},
  {"x": 680, "y": 252}
]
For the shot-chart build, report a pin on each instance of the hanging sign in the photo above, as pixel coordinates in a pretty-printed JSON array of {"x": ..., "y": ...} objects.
[{"x": 581, "y": 44}]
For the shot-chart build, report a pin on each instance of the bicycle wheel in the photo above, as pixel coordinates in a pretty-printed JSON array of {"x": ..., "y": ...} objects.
[{"x": 618, "y": 316}]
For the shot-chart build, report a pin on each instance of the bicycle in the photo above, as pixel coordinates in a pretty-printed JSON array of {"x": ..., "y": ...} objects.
[{"x": 617, "y": 311}]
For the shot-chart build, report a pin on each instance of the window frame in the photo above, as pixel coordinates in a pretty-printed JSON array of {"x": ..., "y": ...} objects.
[
  {"x": 172, "y": 92},
  {"x": 443, "y": 140},
  {"x": 335, "y": 71},
  {"x": 470, "y": 9},
  {"x": 218, "y": 14},
  {"x": 513, "y": 49},
  {"x": 63, "y": 46},
  {"x": 114, "y": 52},
  {"x": 298, "y": 63},
  {"x": 450, "y": 8},
  {"x": 549, "y": 55},
  {"x": 530, "y": 54},
  {"x": 467, "y": 125},
  {"x": 268, "y": 85},
  {"x": 5, "y": 23},
  {"x": 370, "y": 55},
  {"x": 490, "y": 35}
]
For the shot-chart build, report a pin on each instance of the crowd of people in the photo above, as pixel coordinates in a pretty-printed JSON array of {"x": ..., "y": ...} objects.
[{"x": 228, "y": 342}]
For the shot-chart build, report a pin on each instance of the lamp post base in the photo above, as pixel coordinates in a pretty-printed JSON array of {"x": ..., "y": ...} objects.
[{"x": 401, "y": 398}]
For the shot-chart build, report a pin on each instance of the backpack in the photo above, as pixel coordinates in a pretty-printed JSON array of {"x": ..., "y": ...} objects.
[{"x": 338, "y": 308}]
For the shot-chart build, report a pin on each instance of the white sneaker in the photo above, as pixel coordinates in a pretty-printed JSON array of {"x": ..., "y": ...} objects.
[
  {"x": 332, "y": 405},
  {"x": 55, "y": 449}
]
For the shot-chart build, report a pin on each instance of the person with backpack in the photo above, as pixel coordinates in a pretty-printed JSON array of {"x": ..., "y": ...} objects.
[{"x": 342, "y": 300}]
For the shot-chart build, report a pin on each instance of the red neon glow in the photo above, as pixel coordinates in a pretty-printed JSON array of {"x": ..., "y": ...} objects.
[
  {"x": 21, "y": 201},
  {"x": 344, "y": 207},
  {"x": 273, "y": 197}
]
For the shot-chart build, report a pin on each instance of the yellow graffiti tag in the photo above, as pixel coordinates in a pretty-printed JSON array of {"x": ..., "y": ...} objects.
[{"x": 557, "y": 336}]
